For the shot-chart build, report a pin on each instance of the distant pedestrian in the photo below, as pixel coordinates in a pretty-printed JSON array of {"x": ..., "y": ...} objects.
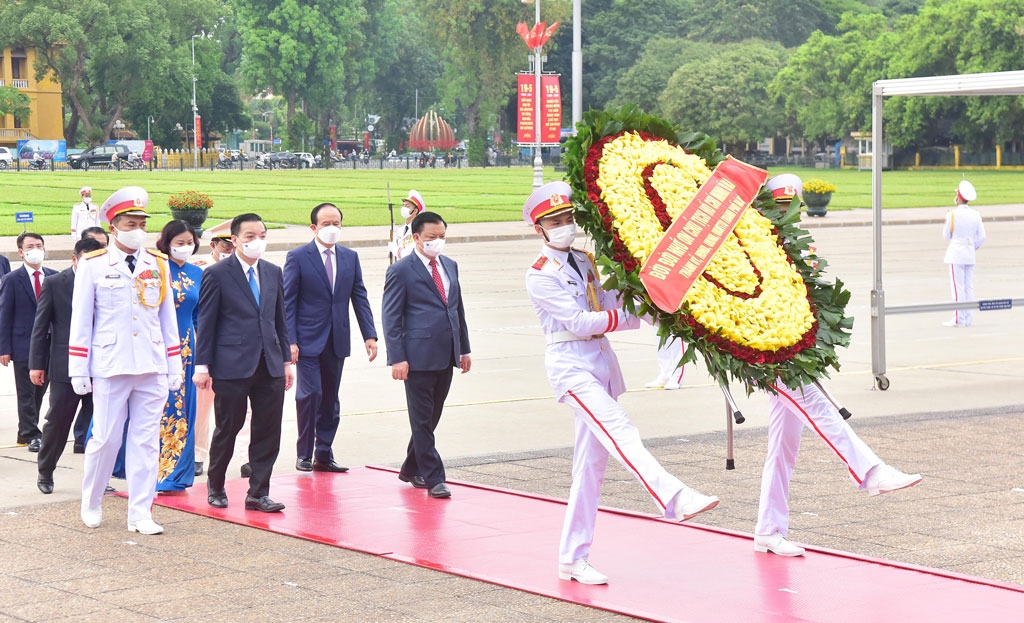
[{"x": 966, "y": 233}]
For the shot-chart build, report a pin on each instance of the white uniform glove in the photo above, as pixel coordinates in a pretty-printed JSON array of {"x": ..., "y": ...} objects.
[
  {"x": 81, "y": 384},
  {"x": 173, "y": 382}
]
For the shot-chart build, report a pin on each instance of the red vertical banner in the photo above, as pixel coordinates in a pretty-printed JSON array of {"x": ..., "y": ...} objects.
[
  {"x": 551, "y": 109},
  {"x": 199, "y": 132},
  {"x": 527, "y": 114}
]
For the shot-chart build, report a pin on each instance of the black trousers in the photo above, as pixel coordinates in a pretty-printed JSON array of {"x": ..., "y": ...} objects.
[
  {"x": 231, "y": 397},
  {"x": 425, "y": 393},
  {"x": 57, "y": 424},
  {"x": 30, "y": 399},
  {"x": 83, "y": 420}
]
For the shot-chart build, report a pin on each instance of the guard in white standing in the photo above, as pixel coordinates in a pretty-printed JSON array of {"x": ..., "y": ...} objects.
[
  {"x": 124, "y": 335},
  {"x": 966, "y": 233},
  {"x": 575, "y": 313},
  {"x": 84, "y": 214},
  {"x": 402, "y": 243}
]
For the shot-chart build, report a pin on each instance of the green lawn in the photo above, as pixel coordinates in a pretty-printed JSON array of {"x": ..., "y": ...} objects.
[{"x": 460, "y": 195}]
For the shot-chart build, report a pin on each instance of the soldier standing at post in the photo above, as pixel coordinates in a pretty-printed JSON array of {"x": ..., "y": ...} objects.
[{"x": 966, "y": 233}]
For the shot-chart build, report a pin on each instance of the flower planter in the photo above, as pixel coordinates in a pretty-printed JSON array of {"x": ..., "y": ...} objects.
[
  {"x": 817, "y": 203},
  {"x": 194, "y": 217}
]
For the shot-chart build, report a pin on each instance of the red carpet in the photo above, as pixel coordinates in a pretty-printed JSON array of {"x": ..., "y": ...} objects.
[{"x": 659, "y": 570}]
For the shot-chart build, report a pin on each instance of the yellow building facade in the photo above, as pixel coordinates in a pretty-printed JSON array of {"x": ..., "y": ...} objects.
[{"x": 46, "y": 121}]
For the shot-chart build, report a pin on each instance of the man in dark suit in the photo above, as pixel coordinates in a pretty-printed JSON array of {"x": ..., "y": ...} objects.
[
  {"x": 242, "y": 351},
  {"x": 48, "y": 351},
  {"x": 19, "y": 294},
  {"x": 320, "y": 280},
  {"x": 426, "y": 337},
  {"x": 5, "y": 265}
]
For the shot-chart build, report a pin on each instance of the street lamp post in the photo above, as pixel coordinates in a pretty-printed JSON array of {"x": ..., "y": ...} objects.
[
  {"x": 538, "y": 162},
  {"x": 265, "y": 115},
  {"x": 195, "y": 108},
  {"x": 148, "y": 121},
  {"x": 577, "y": 64}
]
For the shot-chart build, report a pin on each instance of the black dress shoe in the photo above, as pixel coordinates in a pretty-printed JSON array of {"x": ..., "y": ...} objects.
[
  {"x": 217, "y": 499},
  {"x": 263, "y": 504},
  {"x": 246, "y": 470},
  {"x": 198, "y": 469},
  {"x": 45, "y": 484},
  {"x": 22, "y": 441},
  {"x": 35, "y": 444},
  {"x": 304, "y": 465},
  {"x": 440, "y": 490},
  {"x": 328, "y": 466},
  {"x": 79, "y": 448},
  {"x": 416, "y": 481}
]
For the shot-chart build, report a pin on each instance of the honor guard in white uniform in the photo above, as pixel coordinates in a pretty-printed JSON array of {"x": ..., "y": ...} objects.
[
  {"x": 575, "y": 314},
  {"x": 124, "y": 336},
  {"x": 670, "y": 370},
  {"x": 790, "y": 410},
  {"x": 402, "y": 243},
  {"x": 966, "y": 233},
  {"x": 84, "y": 214}
]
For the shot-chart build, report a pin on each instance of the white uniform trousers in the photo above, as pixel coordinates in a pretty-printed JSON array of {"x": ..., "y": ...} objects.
[
  {"x": 961, "y": 282},
  {"x": 788, "y": 413},
  {"x": 144, "y": 395},
  {"x": 668, "y": 361},
  {"x": 603, "y": 428}
]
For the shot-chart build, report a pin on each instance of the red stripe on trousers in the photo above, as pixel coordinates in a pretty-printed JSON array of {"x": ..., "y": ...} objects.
[
  {"x": 619, "y": 450},
  {"x": 817, "y": 430}
]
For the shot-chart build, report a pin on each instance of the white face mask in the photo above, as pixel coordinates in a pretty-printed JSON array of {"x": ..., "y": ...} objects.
[
  {"x": 34, "y": 257},
  {"x": 253, "y": 250},
  {"x": 86, "y": 199},
  {"x": 329, "y": 235},
  {"x": 407, "y": 212},
  {"x": 181, "y": 253},
  {"x": 562, "y": 237},
  {"x": 433, "y": 247},
  {"x": 132, "y": 239}
]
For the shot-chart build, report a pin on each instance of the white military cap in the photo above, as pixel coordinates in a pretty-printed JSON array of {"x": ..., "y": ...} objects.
[
  {"x": 966, "y": 191},
  {"x": 416, "y": 199},
  {"x": 130, "y": 201},
  {"x": 548, "y": 200},
  {"x": 85, "y": 189},
  {"x": 785, "y": 186}
]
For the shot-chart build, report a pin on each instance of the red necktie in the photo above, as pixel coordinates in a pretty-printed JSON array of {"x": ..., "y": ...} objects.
[
  {"x": 437, "y": 281},
  {"x": 39, "y": 285}
]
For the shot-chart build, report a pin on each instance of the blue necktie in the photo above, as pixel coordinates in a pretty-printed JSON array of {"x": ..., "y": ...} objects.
[{"x": 252, "y": 285}]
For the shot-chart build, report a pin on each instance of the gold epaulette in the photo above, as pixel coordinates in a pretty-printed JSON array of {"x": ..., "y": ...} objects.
[
  {"x": 158, "y": 253},
  {"x": 96, "y": 253}
]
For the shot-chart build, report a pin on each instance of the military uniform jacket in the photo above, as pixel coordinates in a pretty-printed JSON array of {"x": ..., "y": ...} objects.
[
  {"x": 83, "y": 216},
  {"x": 120, "y": 323},
  {"x": 402, "y": 243},
  {"x": 574, "y": 314},
  {"x": 965, "y": 232}
]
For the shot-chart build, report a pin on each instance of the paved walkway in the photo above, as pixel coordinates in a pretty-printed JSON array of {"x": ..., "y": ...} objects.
[{"x": 954, "y": 412}]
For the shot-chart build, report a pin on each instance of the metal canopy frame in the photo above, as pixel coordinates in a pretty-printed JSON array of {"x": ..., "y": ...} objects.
[{"x": 995, "y": 83}]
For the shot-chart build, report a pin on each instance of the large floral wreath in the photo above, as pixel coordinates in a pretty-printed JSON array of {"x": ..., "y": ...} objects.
[{"x": 761, "y": 309}]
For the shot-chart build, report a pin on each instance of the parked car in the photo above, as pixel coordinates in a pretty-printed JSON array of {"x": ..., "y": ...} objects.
[
  {"x": 6, "y": 159},
  {"x": 283, "y": 160},
  {"x": 306, "y": 160},
  {"x": 97, "y": 156}
]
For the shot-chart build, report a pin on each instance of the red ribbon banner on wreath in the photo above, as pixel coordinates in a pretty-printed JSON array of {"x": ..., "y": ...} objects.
[{"x": 697, "y": 233}]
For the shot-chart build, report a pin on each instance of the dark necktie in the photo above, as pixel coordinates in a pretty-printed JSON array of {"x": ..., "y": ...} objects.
[
  {"x": 39, "y": 285},
  {"x": 575, "y": 266},
  {"x": 130, "y": 260},
  {"x": 329, "y": 265},
  {"x": 437, "y": 281}
]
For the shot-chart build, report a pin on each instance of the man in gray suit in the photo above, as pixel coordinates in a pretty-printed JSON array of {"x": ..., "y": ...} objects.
[
  {"x": 47, "y": 355},
  {"x": 242, "y": 351},
  {"x": 426, "y": 336}
]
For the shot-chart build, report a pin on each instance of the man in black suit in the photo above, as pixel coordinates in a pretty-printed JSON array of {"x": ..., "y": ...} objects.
[
  {"x": 322, "y": 280},
  {"x": 426, "y": 337},
  {"x": 48, "y": 351},
  {"x": 5, "y": 265},
  {"x": 242, "y": 351},
  {"x": 19, "y": 294}
]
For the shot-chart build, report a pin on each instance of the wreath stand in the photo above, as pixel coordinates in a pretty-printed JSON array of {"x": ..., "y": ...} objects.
[{"x": 733, "y": 414}]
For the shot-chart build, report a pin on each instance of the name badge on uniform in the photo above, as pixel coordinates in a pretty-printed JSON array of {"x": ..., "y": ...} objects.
[{"x": 112, "y": 276}]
